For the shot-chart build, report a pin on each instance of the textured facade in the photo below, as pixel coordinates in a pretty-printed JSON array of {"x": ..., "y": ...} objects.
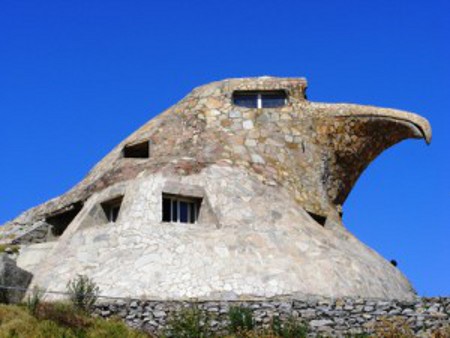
[{"x": 264, "y": 187}]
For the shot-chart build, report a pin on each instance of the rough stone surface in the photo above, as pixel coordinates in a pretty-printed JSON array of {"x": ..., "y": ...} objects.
[
  {"x": 12, "y": 276},
  {"x": 327, "y": 317},
  {"x": 38, "y": 233},
  {"x": 31, "y": 255},
  {"x": 262, "y": 174}
]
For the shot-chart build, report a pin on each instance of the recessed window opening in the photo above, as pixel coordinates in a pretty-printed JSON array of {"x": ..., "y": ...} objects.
[
  {"x": 138, "y": 150},
  {"x": 260, "y": 99},
  {"x": 112, "y": 209},
  {"x": 61, "y": 220},
  {"x": 318, "y": 218},
  {"x": 180, "y": 209}
]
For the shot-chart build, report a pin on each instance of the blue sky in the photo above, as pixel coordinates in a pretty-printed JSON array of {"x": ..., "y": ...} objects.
[{"x": 76, "y": 77}]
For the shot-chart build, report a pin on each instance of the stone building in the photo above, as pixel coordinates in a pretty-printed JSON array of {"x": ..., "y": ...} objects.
[{"x": 235, "y": 192}]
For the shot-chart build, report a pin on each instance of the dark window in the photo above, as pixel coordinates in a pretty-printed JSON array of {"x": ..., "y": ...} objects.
[
  {"x": 273, "y": 99},
  {"x": 112, "y": 209},
  {"x": 262, "y": 99},
  {"x": 318, "y": 218},
  {"x": 180, "y": 209},
  {"x": 60, "y": 220},
  {"x": 138, "y": 150},
  {"x": 246, "y": 99}
]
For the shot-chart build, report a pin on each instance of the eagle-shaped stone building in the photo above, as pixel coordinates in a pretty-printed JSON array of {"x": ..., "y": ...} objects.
[{"x": 235, "y": 192}]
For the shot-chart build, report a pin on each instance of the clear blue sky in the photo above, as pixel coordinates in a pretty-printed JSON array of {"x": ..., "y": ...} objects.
[{"x": 76, "y": 77}]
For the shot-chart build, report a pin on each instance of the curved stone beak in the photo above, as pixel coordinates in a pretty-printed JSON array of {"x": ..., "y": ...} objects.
[
  {"x": 352, "y": 136},
  {"x": 420, "y": 127}
]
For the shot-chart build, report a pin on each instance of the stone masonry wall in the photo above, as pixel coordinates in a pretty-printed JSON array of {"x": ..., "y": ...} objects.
[{"x": 325, "y": 317}]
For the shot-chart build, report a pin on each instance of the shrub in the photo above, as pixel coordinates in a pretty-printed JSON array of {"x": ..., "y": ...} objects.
[
  {"x": 240, "y": 320},
  {"x": 34, "y": 300},
  {"x": 393, "y": 327},
  {"x": 83, "y": 293},
  {"x": 291, "y": 328},
  {"x": 443, "y": 332},
  {"x": 188, "y": 323}
]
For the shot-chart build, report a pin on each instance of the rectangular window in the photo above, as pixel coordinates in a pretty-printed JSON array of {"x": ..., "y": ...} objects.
[
  {"x": 112, "y": 209},
  {"x": 246, "y": 99},
  {"x": 273, "y": 99},
  {"x": 180, "y": 209},
  {"x": 262, "y": 99},
  {"x": 138, "y": 150}
]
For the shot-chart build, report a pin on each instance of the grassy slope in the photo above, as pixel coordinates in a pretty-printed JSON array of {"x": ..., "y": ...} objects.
[{"x": 58, "y": 320}]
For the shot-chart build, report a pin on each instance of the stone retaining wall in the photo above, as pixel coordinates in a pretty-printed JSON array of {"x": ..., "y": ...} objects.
[{"x": 336, "y": 318}]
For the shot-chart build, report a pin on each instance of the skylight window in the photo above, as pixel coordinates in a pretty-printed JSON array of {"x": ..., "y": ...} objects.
[
  {"x": 138, "y": 150},
  {"x": 261, "y": 99}
]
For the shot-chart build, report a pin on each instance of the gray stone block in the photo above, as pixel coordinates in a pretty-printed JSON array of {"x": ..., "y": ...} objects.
[{"x": 13, "y": 280}]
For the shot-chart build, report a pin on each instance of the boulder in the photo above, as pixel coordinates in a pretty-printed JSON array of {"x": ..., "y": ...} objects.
[{"x": 11, "y": 277}]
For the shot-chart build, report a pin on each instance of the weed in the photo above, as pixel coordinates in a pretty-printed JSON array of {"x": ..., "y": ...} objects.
[
  {"x": 83, "y": 293},
  {"x": 34, "y": 300},
  {"x": 189, "y": 323},
  {"x": 393, "y": 327},
  {"x": 290, "y": 328},
  {"x": 443, "y": 332},
  {"x": 241, "y": 319}
]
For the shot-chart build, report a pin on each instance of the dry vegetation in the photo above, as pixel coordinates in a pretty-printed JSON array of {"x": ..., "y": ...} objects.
[
  {"x": 58, "y": 320},
  {"x": 55, "y": 320}
]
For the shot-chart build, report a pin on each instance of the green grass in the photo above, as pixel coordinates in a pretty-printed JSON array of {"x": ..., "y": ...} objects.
[
  {"x": 14, "y": 248},
  {"x": 59, "y": 320}
]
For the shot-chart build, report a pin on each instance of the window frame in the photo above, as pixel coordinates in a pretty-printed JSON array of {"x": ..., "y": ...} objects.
[
  {"x": 193, "y": 203},
  {"x": 109, "y": 208},
  {"x": 259, "y": 97}
]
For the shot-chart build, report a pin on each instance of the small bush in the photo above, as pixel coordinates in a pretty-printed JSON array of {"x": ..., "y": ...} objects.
[
  {"x": 393, "y": 327},
  {"x": 291, "y": 328},
  {"x": 83, "y": 293},
  {"x": 241, "y": 320},
  {"x": 188, "y": 323},
  {"x": 34, "y": 300},
  {"x": 443, "y": 332}
]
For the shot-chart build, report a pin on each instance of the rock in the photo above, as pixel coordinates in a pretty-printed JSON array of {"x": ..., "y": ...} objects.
[
  {"x": 159, "y": 314},
  {"x": 14, "y": 277},
  {"x": 320, "y": 322},
  {"x": 235, "y": 114},
  {"x": 309, "y": 313},
  {"x": 407, "y": 312}
]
